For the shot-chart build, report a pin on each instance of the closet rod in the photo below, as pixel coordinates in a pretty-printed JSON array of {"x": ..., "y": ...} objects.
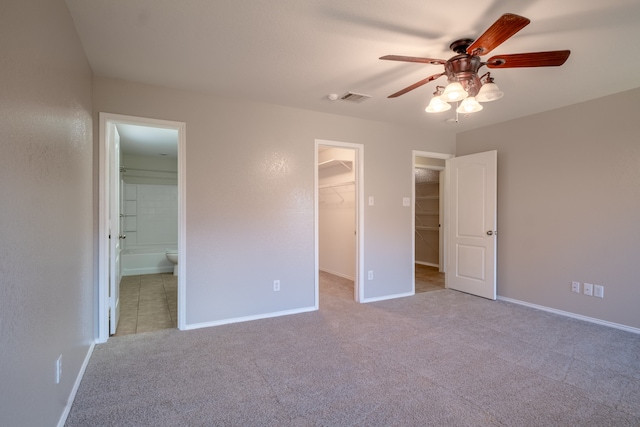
[{"x": 342, "y": 184}]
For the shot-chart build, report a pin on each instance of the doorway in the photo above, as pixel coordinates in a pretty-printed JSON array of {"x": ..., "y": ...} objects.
[
  {"x": 120, "y": 213},
  {"x": 338, "y": 213},
  {"x": 428, "y": 216}
]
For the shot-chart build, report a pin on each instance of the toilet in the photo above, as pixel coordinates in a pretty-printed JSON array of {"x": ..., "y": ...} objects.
[{"x": 172, "y": 255}]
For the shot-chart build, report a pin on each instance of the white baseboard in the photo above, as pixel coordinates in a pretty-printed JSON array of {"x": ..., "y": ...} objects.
[
  {"x": 386, "y": 297},
  {"x": 573, "y": 315},
  {"x": 249, "y": 318},
  {"x": 76, "y": 385},
  {"x": 428, "y": 264},
  {"x": 335, "y": 273},
  {"x": 146, "y": 270}
]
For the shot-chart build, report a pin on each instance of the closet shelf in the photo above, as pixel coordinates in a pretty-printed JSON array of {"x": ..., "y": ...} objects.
[
  {"x": 427, "y": 197},
  {"x": 334, "y": 162},
  {"x": 423, "y": 228},
  {"x": 428, "y": 213}
]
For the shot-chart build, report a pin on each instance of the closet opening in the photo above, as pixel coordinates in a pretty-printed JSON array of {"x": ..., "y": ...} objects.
[
  {"x": 338, "y": 207},
  {"x": 429, "y": 221}
]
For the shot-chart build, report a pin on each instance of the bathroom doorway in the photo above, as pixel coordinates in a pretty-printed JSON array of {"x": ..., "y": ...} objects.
[
  {"x": 141, "y": 217},
  {"x": 338, "y": 208},
  {"x": 429, "y": 220}
]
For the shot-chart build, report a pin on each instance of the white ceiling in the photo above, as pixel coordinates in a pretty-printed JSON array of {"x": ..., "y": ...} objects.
[{"x": 296, "y": 52}]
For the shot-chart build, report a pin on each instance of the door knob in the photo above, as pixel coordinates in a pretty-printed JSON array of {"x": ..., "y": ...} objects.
[
  {"x": 123, "y": 236},
  {"x": 489, "y": 233}
]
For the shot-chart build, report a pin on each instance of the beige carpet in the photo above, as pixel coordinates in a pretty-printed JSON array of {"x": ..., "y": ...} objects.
[{"x": 439, "y": 358}]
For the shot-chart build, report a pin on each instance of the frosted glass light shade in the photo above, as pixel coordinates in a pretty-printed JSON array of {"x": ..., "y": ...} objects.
[
  {"x": 454, "y": 92},
  {"x": 437, "y": 105},
  {"x": 469, "y": 105},
  {"x": 489, "y": 92}
]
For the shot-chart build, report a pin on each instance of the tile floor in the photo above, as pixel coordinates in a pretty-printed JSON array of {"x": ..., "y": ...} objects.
[
  {"x": 428, "y": 279},
  {"x": 148, "y": 303}
]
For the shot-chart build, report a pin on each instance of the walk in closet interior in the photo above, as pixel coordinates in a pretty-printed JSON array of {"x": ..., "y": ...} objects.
[
  {"x": 429, "y": 211},
  {"x": 337, "y": 211}
]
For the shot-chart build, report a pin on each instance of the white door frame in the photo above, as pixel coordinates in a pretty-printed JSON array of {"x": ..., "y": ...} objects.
[
  {"x": 442, "y": 156},
  {"x": 359, "y": 198},
  {"x": 106, "y": 120}
]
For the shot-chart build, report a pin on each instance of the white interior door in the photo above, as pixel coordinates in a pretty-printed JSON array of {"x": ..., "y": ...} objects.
[
  {"x": 472, "y": 237},
  {"x": 114, "y": 228},
  {"x": 441, "y": 222}
]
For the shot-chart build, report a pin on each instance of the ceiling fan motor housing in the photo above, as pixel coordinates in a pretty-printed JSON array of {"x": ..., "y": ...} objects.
[{"x": 463, "y": 69}]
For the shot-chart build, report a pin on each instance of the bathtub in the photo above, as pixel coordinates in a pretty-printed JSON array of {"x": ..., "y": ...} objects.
[{"x": 145, "y": 260}]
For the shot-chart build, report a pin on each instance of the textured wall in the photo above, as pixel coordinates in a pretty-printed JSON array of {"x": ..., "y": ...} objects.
[
  {"x": 250, "y": 185},
  {"x": 46, "y": 210},
  {"x": 568, "y": 205}
]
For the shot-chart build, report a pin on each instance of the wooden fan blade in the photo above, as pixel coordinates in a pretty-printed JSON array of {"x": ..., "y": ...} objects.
[
  {"x": 506, "y": 26},
  {"x": 413, "y": 59},
  {"x": 535, "y": 59},
  {"x": 415, "y": 85}
]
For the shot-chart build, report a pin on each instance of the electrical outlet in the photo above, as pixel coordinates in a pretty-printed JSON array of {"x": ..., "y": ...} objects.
[
  {"x": 58, "y": 369},
  {"x": 598, "y": 291},
  {"x": 370, "y": 200},
  {"x": 276, "y": 285},
  {"x": 575, "y": 287},
  {"x": 406, "y": 201},
  {"x": 370, "y": 275},
  {"x": 588, "y": 289}
]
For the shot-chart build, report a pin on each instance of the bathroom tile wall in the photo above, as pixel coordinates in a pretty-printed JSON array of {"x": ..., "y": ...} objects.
[{"x": 151, "y": 214}]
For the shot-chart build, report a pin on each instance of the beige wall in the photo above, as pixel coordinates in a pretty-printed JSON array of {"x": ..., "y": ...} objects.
[
  {"x": 47, "y": 292},
  {"x": 250, "y": 185},
  {"x": 569, "y": 205}
]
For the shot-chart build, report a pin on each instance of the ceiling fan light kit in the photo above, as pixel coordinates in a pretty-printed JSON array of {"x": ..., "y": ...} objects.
[
  {"x": 454, "y": 92},
  {"x": 437, "y": 104},
  {"x": 469, "y": 105},
  {"x": 489, "y": 92},
  {"x": 462, "y": 70}
]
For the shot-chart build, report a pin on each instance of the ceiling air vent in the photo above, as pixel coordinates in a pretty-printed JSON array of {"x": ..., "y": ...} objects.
[{"x": 354, "y": 97}]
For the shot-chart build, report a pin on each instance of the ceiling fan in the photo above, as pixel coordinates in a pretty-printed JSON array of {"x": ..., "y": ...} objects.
[{"x": 462, "y": 69}]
